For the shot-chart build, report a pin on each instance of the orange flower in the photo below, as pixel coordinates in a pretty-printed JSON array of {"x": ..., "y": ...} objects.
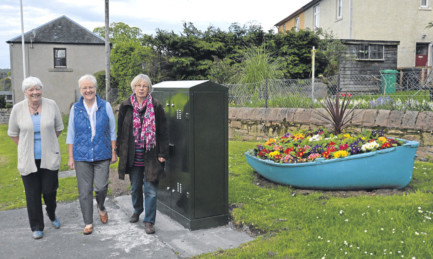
[{"x": 270, "y": 141}]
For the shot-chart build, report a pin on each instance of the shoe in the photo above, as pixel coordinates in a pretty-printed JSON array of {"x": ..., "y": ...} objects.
[
  {"x": 103, "y": 215},
  {"x": 56, "y": 223},
  {"x": 88, "y": 229},
  {"x": 149, "y": 228},
  {"x": 38, "y": 234},
  {"x": 134, "y": 218}
]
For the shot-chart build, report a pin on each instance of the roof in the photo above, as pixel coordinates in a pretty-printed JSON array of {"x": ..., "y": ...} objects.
[
  {"x": 61, "y": 30},
  {"x": 297, "y": 12}
]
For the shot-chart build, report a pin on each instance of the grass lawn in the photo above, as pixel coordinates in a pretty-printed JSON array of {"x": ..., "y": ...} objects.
[
  {"x": 291, "y": 223},
  {"x": 11, "y": 186},
  {"x": 318, "y": 224}
]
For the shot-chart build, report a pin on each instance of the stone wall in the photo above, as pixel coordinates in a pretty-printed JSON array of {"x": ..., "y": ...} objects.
[
  {"x": 4, "y": 116},
  {"x": 263, "y": 123}
]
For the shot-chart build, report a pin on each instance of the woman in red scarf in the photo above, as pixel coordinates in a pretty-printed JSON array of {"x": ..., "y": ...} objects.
[{"x": 142, "y": 147}]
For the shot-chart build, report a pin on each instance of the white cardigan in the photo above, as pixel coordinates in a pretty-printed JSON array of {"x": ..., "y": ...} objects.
[{"x": 21, "y": 125}]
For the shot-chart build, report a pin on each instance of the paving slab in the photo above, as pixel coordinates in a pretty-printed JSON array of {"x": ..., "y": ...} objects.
[{"x": 116, "y": 239}]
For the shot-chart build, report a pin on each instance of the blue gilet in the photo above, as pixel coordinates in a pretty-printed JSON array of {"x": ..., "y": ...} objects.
[{"x": 84, "y": 148}]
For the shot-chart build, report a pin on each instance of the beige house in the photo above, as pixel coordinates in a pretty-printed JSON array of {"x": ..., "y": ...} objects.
[
  {"x": 403, "y": 21},
  {"x": 58, "y": 53}
]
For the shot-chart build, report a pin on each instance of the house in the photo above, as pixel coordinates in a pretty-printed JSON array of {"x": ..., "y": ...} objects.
[
  {"x": 59, "y": 53},
  {"x": 372, "y": 22}
]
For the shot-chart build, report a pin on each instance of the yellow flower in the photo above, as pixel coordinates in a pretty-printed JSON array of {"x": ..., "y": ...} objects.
[
  {"x": 298, "y": 136},
  {"x": 273, "y": 154},
  {"x": 340, "y": 153},
  {"x": 270, "y": 141},
  {"x": 382, "y": 139},
  {"x": 347, "y": 135}
]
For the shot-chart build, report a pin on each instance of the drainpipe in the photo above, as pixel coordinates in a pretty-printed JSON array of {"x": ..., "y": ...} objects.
[
  {"x": 350, "y": 19},
  {"x": 430, "y": 58}
]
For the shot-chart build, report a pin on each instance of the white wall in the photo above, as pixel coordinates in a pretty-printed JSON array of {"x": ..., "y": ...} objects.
[{"x": 396, "y": 20}]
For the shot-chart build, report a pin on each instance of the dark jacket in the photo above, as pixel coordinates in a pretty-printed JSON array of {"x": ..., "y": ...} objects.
[
  {"x": 125, "y": 145},
  {"x": 86, "y": 149}
]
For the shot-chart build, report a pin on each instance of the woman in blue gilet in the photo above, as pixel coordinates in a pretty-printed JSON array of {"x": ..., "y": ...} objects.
[{"x": 91, "y": 142}]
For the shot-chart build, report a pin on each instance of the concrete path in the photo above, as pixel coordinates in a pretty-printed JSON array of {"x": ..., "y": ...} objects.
[{"x": 117, "y": 239}]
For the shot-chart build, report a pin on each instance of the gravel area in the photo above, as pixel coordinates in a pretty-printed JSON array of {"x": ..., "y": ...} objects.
[{"x": 118, "y": 187}]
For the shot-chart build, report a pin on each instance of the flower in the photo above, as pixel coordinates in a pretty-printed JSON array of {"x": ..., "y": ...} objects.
[
  {"x": 307, "y": 146},
  {"x": 341, "y": 153},
  {"x": 370, "y": 146},
  {"x": 313, "y": 156},
  {"x": 316, "y": 137},
  {"x": 275, "y": 155},
  {"x": 288, "y": 159},
  {"x": 269, "y": 142},
  {"x": 383, "y": 139}
]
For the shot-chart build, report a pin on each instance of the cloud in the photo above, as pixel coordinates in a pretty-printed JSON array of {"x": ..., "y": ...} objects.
[{"x": 168, "y": 15}]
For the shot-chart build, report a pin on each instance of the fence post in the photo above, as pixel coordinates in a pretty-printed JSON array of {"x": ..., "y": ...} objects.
[
  {"x": 266, "y": 93},
  {"x": 312, "y": 72}
]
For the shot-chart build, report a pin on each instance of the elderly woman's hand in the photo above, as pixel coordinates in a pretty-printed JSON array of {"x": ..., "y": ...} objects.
[
  {"x": 71, "y": 163},
  {"x": 113, "y": 157}
]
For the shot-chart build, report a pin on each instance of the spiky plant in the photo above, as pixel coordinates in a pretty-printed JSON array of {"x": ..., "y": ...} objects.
[{"x": 337, "y": 114}]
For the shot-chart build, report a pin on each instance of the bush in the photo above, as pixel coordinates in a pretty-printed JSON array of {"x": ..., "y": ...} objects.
[{"x": 3, "y": 103}]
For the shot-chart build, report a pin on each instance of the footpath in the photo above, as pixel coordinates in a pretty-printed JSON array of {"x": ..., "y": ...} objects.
[{"x": 116, "y": 239}]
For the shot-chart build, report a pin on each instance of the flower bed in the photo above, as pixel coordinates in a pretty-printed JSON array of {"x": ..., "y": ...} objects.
[
  {"x": 320, "y": 160},
  {"x": 306, "y": 146}
]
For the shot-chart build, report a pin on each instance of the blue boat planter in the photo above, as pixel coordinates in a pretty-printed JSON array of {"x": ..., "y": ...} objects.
[{"x": 386, "y": 168}]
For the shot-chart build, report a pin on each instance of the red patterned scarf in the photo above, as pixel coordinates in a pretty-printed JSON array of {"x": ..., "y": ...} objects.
[{"x": 148, "y": 126}]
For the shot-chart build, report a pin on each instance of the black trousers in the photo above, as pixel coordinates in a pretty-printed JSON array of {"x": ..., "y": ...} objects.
[{"x": 43, "y": 183}]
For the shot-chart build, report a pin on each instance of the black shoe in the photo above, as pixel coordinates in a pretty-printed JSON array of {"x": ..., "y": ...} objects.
[
  {"x": 149, "y": 228},
  {"x": 134, "y": 218}
]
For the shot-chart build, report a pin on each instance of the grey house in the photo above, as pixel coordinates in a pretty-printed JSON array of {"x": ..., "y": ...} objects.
[{"x": 59, "y": 53}]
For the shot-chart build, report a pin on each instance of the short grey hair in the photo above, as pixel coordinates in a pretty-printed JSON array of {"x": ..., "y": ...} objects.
[
  {"x": 88, "y": 77},
  {"x": 30, "y": 82},
  {"x": 139, "y": 78}
]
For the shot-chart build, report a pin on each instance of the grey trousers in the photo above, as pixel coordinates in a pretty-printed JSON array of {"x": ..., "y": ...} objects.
[{"x": 89, "y": 174}]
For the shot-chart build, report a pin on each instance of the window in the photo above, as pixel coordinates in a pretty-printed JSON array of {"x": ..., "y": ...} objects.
[
  {"x": 59, "y": 58},
  {"x": 316, "y": 15},
  {"x": 424, "y": 3},
  {"x": 297, "y": 24},
  {"x": 370, "y": 51},
  {"x": 339, "y": 9}
]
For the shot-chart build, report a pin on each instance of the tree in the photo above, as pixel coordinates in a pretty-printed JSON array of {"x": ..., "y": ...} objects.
[
  {"x": 331, "y": 51},
  {"x": 128, "y": 60},
  {"x": 222, "y": 71},
  {"x": 258, "y": 66},
  {"x": 120, "y": 32},
  {"x": 100, "y": 78},
  {"x": 222, "y": 56}
]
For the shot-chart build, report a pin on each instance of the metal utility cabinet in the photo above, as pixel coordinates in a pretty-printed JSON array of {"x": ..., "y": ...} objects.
[{"x": 195, "y": 191}]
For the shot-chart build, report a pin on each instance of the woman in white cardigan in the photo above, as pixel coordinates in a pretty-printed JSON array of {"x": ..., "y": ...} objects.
[{"x": 34, "y": 125}]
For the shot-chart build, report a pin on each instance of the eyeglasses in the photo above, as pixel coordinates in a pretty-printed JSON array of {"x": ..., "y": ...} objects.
[{"x": 141, "y": 86}]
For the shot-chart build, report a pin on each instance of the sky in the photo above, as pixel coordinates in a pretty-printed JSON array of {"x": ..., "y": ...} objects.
[{"x": 168, "y": 15}]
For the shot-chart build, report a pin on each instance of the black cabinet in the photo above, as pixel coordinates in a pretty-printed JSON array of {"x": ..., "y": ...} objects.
[{"x": 195, "y": 191}]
